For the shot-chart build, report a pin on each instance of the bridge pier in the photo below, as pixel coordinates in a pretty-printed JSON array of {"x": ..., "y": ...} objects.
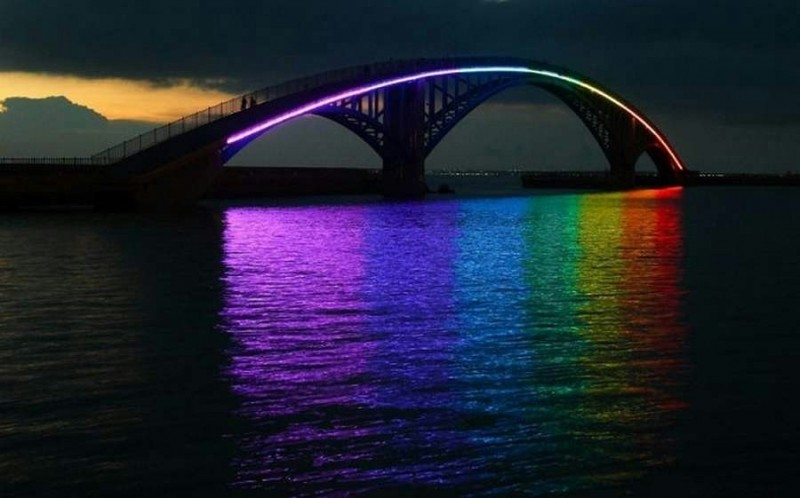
[
  {"x": 404, "y": 151},
  {"x": 622, "y": 177},
  {"x": 627, "y": 143}
]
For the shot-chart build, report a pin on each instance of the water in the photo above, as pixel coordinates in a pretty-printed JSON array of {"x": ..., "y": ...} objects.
[{"x": 641, "y": 344}]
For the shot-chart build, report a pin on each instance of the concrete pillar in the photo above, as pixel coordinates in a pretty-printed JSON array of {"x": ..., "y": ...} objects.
[
  {"x": 625, "y": 152},
  {"x": 622, "y": 176},
  {"x": 404, "y": 141}
]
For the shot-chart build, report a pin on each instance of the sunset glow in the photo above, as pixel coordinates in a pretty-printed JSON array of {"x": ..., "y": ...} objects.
[{"x": 115, "y": 98}]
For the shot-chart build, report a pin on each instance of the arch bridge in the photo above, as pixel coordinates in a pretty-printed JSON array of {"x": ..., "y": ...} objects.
[{"x": 401, "y": 109}]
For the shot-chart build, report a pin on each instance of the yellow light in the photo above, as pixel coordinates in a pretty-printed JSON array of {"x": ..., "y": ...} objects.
[{"x": 115, "y": 98}]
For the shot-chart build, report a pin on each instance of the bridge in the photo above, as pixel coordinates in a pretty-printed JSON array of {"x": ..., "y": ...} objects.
[{"x": 401, "y": 109}]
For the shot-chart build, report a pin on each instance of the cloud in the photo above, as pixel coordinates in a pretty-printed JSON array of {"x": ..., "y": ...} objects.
[
  {"x": 21, "y": 115},
  {"x": 246, "y": 38},
  {"x": 55, "y": 126},
  {"x": 713, "y": 53},
  {"x": 725, "y": 63},
  {"x": 117, "y": 98}
]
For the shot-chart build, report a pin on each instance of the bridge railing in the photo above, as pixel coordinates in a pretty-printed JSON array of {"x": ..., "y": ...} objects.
[
  {"x": 209, "y": 115},
  {"x": 234, "y": 105},
  {"x": 51, "y": 164},
  {"x": 63, "y": 161}
]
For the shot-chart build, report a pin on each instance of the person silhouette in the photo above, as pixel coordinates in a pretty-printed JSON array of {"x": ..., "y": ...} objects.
[{"x": 244, "y": 103}]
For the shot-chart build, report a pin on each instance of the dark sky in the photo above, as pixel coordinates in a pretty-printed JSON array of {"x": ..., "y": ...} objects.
[{"x": 719, "y": 77}]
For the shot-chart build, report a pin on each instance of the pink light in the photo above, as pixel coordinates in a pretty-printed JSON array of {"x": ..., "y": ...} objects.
[{"x": 312, "y": 106}]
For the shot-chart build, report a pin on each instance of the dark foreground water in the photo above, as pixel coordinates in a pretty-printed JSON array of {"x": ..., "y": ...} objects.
[{"x": 639, "y": 344}]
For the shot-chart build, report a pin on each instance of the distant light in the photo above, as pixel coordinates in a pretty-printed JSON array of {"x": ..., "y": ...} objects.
[{"x": 310, "y": 107}]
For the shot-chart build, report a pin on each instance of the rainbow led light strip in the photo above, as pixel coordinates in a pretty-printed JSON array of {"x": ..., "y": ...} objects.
[{"x": 282, "y": 118}]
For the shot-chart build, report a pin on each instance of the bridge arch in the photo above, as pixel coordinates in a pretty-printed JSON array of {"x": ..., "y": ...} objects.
[
  {"x": 310, "y": 140},
  {"x": 403, "y": 109},
  {"x": 520, "y": 128}
]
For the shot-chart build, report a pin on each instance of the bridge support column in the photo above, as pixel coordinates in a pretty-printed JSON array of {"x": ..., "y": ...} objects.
[
  {"x": 628, "y": 146},
  {"x": 622, "y": 176},
  {"x": 404, "y": 154}
]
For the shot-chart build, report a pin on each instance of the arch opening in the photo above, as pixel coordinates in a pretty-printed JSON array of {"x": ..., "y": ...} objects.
[
  {"x": 309, "y": 141},
  {"x": 523, "y": 127},
  {"x": 645, "y": 165}
]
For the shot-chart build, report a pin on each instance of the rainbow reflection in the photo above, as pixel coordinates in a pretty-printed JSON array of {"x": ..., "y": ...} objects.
[
  {"x": 514, "y": 345},
  {"x": 629, "y": 276}
]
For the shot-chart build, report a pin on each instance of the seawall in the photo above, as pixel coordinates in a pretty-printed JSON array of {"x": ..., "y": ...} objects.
[
  {"x": 241, "y": 182},
  {"x": 600, "y": 180}
]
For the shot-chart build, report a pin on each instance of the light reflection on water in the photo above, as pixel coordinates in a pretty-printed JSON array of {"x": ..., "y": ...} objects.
[
  {"x": 640, "y": 344},
  {"x": 294, "y": 310},
  {"x": 475, "y": 346}
]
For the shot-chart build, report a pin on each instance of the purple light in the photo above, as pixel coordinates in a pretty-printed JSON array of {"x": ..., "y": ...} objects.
[
  {"x": 312, "y": 106},
  {"x": 292, "y": 286}
]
